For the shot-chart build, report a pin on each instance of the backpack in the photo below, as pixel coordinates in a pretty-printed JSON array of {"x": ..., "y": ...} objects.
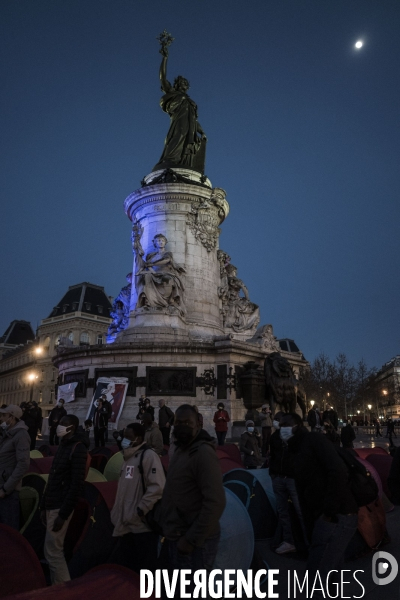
[
  {"x": 88, "y": 458},
  {"x": 362, "y": 483},
  {"x": 153, "y": 517}
]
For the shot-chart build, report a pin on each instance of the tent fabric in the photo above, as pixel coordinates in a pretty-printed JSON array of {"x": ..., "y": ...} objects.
[
  {"x": 382, "y": 464},
  {"x": 107, "y": 582},
  {"x": 254, "y": 489},
  {"x": 372, "y": 523},
  {"x": 227, "y": 464},
  {"x": 47, "y": 450},
  {"x": 233, "y": 452},
  {"x": 35, "y": 454},
  {"x": 91, "y": 532},
  {"x": 41, "y": 465},
  {"x": 374, "y": 474},
  {"x": 29, "y": 503},
  {"x": 106, "y": 451},
  {"x": 112, "y": 469},
  {"x": 20, "y": 569},
  {"x": 99, "y": 461},
  {"x": 108, "y": 490},
  {"x": 34, "y": 531},
  {"x": 95, "y": 475},
  {"x": 365, "y": 452},
  {"x": 236, "y": 546}
]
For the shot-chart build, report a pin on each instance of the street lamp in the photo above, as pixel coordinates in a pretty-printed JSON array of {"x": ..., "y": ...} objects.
[
  {"x": 32, "y": 377},
  {"x": 312, "y": 402}
]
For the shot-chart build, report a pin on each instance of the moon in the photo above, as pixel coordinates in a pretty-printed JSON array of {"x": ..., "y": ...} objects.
[{"x": 359, "y": 44}]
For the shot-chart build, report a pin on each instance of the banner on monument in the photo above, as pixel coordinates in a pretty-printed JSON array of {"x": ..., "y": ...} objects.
[
  {"x": 114, "y": 388},
  {"x": 67, "y": 392}
]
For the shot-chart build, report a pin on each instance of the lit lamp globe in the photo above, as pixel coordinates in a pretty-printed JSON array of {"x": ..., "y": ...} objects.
[
  {"x": 312, "y": 402},
  {"x": 369, "y": 406},
  {"x": 38, "y": 350}
]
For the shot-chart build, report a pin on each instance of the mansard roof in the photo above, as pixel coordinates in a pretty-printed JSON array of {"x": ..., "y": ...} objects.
[
  {"x": 17, "y": 333},
  {"x": 84, "y": 297},
  {"x": 288, "y": 345}
]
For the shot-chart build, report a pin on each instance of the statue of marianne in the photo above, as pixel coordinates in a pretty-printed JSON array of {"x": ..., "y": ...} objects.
[{"x": 186, "y": 141}]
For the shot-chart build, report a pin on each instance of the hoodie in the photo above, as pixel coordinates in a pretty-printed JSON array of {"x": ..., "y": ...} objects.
[
  {"x": 14, "y": 456},
  {"x": 194, "y": 497},
  {"x": 67, "y": 475}
]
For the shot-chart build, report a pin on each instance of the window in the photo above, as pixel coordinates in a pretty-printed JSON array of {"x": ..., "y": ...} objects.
[
  {"x": 88, "y": 305},
  {"x": 100, "y": 339},
  {"x": 65, "y": 307},
  {"x": 84, "y": 338},
  {"x": 100, "y": 309},
  {"x": 75, "y": 306},
  {"x": 71, "y": 336}
]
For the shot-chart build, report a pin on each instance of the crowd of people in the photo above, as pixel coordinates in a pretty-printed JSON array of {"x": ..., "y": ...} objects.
[{"x": 186, "y": 503}]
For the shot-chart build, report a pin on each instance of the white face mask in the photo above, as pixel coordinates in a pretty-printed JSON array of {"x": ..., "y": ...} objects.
[
  {"x": 275, "y": 424},
  {"x": 286, "y": 433},
  {"x": 61, "y": 430},
  {"x": 4, "y": 425}
]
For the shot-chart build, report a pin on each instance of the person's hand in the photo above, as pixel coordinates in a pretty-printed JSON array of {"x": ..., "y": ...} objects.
[
  {"x": 58, "y": 523},
  {"x": 184, "y": 547},
  {"x": 2, "y": 493},
  {"x": 43, "y": 517}
]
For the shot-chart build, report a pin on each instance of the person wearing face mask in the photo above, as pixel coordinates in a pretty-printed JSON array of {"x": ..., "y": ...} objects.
[
  {"x": 281, "y": 470},
  {"x": 64, "y": 487},
  {"x": 327, "y": 503},
  {"x": 194, "y": 497},
  {"x": 55, "y": 417},
  {"x": 250, "y": 446},
  {"x": 221, "y": 419},
  {"x": 137, "y": 543},
  {"x": 14, "y": 462}
]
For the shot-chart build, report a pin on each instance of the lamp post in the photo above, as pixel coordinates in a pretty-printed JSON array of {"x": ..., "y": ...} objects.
[{"x": 37, "y": 351}]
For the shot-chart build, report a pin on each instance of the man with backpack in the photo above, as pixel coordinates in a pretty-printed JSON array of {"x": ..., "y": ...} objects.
[
  {"x": 140, "y": 487},
  {"x": 327, "y": 502},
  {"x": 64, "y": 487}
]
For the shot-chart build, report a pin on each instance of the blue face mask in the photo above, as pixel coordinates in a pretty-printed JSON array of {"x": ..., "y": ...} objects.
[
  {"x": 125, "y": 443},
  {"x": 286, "y": 433},
  {"x": 250, "y": 429}
]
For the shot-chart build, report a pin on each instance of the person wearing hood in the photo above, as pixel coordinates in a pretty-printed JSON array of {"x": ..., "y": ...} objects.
[
  {"x": 152, "y": 436},
  {"x": 250, "y": 446},
  {"x": 55, "y": 416},
  {"x": 14, "y": 462},
  {"x": 137, "y": 494},
  {"x": 64, "y": 487},
  {"x": 194, "y": 497}
]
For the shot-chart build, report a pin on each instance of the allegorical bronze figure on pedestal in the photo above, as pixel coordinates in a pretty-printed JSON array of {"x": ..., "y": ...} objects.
[{"x": 185, "y": 144}]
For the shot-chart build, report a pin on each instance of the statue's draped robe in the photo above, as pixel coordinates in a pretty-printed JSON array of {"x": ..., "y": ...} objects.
[
  {"x": 181, "y": 143},
  {"x": 159, "y": 285}
]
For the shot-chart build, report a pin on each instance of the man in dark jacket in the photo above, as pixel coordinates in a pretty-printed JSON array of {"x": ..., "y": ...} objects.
[
  {"x": 55, "y": 417},
  {"x": 281, "y": 470},
  {"x": 14, "y": 462},
  {"x": 165, "y": 420},
  {"x": 194, "y": 497},
  {"x": 250, "y": 446},
  {"x": 332, "y": 416},
  {"x": 100, "y": 422},
  {"x": 32, "y": 419},
  {"x": 314, "y": 419},
  {"x": 62, "y": 492},
  {"x": 327, "y": 503},
  {"x": 347, "y": 435}
]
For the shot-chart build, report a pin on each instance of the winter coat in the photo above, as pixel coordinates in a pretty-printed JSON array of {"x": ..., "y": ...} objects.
[
  {"x": 56, "y": 415},
  {"x": 221, "y": 419},
  {"x": 194, "y": 497},
  {"x": 250, "y": 446},
  {"x": 130, "y": 494},
  {"x": 103, "y": 418},
  {"x": 153, "y": 438},
  {"x": 165, "y": 415},
  {"x": 281, "y": 461},
  {"x": 332, "y": 416},
  {"x": 321, "y": 477},
  {"x": 312, "y": 418},
  {"x": 265, "y": 419},
  {"x": 14, "y": 456},
  {"x": 31, "y": 417},
  {"x": 347, "y": 435},
  {"x": 149, "y": 410},
  {"x": 67, "y": 475}
]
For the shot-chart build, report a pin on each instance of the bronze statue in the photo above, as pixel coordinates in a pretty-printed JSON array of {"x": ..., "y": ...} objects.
[
  {"x": 281, "y": 383},
  {"x": 185, "y": 144}
]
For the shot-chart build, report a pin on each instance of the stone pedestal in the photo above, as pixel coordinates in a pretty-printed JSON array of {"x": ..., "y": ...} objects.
[{"x": 188, "y": 213}]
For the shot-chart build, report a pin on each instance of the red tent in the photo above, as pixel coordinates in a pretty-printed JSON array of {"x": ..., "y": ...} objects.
[{"x": 365, "y": 452}]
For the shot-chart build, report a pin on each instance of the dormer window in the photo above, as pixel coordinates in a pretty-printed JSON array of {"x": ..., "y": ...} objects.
[
  {"x": 65, "y": 307},
  {"x": 100, "y": 309},
  {"x": 75, "y": 306},
  {"x": 88, "y": 305}
]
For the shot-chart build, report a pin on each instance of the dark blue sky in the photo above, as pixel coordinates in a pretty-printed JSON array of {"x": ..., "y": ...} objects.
[{"x": 303, "y": 135}]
